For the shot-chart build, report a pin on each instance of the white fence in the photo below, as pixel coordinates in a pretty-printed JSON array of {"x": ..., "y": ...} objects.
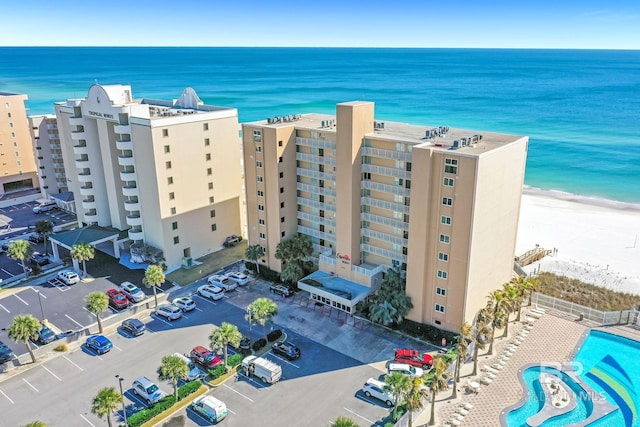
[{"x": 604, "y": 318}]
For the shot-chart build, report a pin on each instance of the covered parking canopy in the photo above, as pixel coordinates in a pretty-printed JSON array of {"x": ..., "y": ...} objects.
[{"x": 92, "y": 234}]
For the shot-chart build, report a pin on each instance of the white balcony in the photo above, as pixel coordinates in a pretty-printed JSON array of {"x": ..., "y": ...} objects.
[
  {"x": 404, "y": 156},
  {"x": 128, "y": 176},
  {"x": 91, "y": 217},
  {"x": 126, "y": 161},
  {"x": 381, "y": 170},
  {"x": 316, "y": 143},
  {"x": 122, "y": 144},
  {"x": 87, "y": 191},
  {"x": 130, "y": 191},
  {"x": 315, "y": 159},
  {"x": 383, "y": 204},
  {"x": 136, "y": 235},
  {"x": 89, "y": 204},
  {"x": 80, "y": 149},
  {"x": 76, "y": 121},
  {"x": 84, "y": 177},
  {"x": 82, "y": 163},
  {"x": 315, "y": 189},
  {"x": 77, "y": 135},
  {"x": 134, "y": 220},
  {"x": 132, "y": 206},
  {"x": 122, "y": 129}
]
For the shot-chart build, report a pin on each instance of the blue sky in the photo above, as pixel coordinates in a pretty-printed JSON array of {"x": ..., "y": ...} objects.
[{"x": 586, "y": 24}]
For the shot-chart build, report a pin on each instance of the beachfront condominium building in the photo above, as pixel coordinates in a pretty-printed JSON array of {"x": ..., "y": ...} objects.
[
  {"x": 168, "y": 172},
  {"x": 440, "y": 203},
  {"x": 46, "y": 143},
  {"x": 17, "y": 163}
]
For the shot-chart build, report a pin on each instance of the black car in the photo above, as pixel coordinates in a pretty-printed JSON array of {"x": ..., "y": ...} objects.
[
  {"x": 133, "y": 327},
  {"x": 39, "y": 258},
  {"x": 244, "y": 346},
  {"x": 286, "y": 349},
  {"x": 5, "y": 353},
  {"x": 36, "y": 238}
]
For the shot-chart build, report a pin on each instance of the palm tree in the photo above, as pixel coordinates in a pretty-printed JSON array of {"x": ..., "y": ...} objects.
[
  {"x": 83, "y": 252},
  {"x": 292, "y": 272},
  {"x": 153, "y": 277},
  {"x": 105, "y": 403},
  {"x": 345, "y": 422},
  {"x": 173, "y": 368},
  {"x": 462, "y": 351},
  {"x": 513, "y": 303},
  {"x": 391, "y": 301},
  {"x": 44, "y": 229},
  {"x": 262, "y": 311},
  {"x": 97, "y": 302},
  {"x": 499, "y": 303},
  {"x": 36, "y": 424},
  {"x": 253, "y": 253},
  {"x": 226, "y": 334},
  {"x": 437, "y": 380},
  {"x": 20, "y": 250},
  {"x": 397, "y": 384},
  {"x": 382, "y": 313},
  {"x": 22, "y": 328},
  {"x": 416, "y": 395},
  {"x": 480, "y": 334}
]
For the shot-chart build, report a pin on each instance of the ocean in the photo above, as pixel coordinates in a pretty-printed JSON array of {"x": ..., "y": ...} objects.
[{"x": 580, "y": 108}]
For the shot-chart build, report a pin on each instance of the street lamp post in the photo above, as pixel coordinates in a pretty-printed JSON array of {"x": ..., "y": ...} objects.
[
  {"x": 124, "y": 410},
  {"x": 40, "y": 301}
]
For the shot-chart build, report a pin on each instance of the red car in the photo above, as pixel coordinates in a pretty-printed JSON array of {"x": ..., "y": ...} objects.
[
  {"x": 414, "y": 357},
  {"x": 205, "y": 357},
  {"x": 117, "y": 299}
]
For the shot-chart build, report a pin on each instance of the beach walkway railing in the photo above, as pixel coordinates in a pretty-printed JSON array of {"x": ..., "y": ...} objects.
[
  {"x": 604, "y": 318},
  {"x": 533, "y": 255}
]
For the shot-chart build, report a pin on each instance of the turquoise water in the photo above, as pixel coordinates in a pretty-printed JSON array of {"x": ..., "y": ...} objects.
[
  {"x": 534, "y": 404},
  {"x": 581, "y": 108}
]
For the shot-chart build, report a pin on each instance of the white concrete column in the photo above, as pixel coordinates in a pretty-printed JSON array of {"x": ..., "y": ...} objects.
[
  {"x": 56, "y": 254},
  {"x": 116, "y": 249}
]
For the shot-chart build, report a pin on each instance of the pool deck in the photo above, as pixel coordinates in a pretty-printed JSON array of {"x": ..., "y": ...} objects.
[{"x": 552, "y": 339}]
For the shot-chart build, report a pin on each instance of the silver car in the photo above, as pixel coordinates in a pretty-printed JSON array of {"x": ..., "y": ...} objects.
[{"x": 169, "y": 311}]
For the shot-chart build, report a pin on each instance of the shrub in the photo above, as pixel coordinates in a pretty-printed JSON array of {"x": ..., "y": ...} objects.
[
  {"x": 139, "y": 418},
  {"x": 274, "y": 335},
  {"x": 250, "y": 266},
  {"x": 218, "y": 371},
  {"x": 268, "y": 274},
  {"x": 259, "y": 344},
  {"x": 188, "y": 388},
  {"x": 235, "y": 360},
  {"x": 61, "y": 347},
  {"x": 427, "y": 332}
]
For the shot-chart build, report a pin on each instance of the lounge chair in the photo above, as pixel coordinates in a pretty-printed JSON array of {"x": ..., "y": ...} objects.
[
  {"x": 486, "y": 380},
  {"x": 454, "y": 422},
  {"x": 497, "y": 366},
  {"x": 528, "y": 327},
  {"x": 490, "y": 375},
  {"x": 457, "y": 416},
  {"x": 540, "y": 309},
  {"x": 466, "y": 405},
  {"x": 462, "y": 411},
  {"x": 489, "y": 369},
  {"x": 535, "y": 314}
]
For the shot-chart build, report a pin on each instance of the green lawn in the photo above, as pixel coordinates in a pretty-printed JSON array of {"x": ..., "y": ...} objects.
[{"x": 210, "y": 264}]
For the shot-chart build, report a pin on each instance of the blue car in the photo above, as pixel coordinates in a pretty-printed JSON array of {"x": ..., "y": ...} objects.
[{"x": 99, "y": 343}]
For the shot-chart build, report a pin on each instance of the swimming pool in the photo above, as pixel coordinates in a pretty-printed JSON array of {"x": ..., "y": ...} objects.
[{"x": 603, "y": 380}]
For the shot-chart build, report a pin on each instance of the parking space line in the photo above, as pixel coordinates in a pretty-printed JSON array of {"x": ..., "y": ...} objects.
[
  {"x": 206, "y": 299},
  {"x": 284, "y": 360},
  {"x": 162, "y": 320},
  {"x": 31, "y": 385},
  {"x": 4, "y": 308},
  {"x": 48, "y": 370},
  {"x": 237, "y": 392},
  {"x": 10, "y": 274},
  {"x": 360, "y": 416},
  {"x": 8, "y": 398},
  {"x": 260, "y": 385},
  {"x": 84, "y": 418},
  {"x": 69, "y": 317},
  {"x": 38, "y": 292},
  {"x": 117, "y": 348},
  {"x": 17, "y": 296},
  {"x": 199, "y": 309},
  {"x": 70, "y": 361}
]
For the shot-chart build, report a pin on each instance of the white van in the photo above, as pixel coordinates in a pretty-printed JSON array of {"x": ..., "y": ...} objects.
[
  {"x": 194, "y": 372},
  {"x": 209, "y": 407},
  {"x": 45, "y": 206}
]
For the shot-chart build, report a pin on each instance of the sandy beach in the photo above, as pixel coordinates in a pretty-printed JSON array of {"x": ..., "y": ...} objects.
[{"x": 597, "y": 240}]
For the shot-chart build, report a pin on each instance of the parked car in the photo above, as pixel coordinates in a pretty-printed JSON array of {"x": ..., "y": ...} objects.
[
  {"x": 194, "y": 372},
  {"x": 404, "y": 369},
  {"x": 117, "y": 299},
  {"x": 133, "y": 327},
  {"x": 375, "y": 388},
  {"x": 69, "y": 277},
  {"x": 45, "y": 206},
  {"x": 286, "y": 349},
  {"x": 210, "y": 291},
  {"x": 169, "y": 311},
  {"x": 244, "y": 346},
  {"x": 205, "y": 357},
  {"x": 99, "y": 343},
  {"x": 280, "y": 290},
  {"x": 232, "y": 240},
  {"x": 39, "y": 258},
  {"x": 5, "y": 353},
  {"x": 36, "y": 238},
  {"x": 184, "y": 303},
  {"x": 45, "y": 335},
  {"x": 210, "y": 408},
  {"x": 132, "y": 292},
  {"x": 222, "y": 281},
  {"x": 414, "y": 358},
  {"x": 240, "y": 278},
  {"x": 147, "y": 390}
]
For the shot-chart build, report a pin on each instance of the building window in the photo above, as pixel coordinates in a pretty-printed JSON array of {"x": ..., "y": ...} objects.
[
  {"x": 366, "y": 176},
  {"x": 213, "y": 227},
  {"x": 281, "y": 205},
  {"x": 281, "y": 190},
  {"x": 207, "y": 157},
  {"x": 282, "y": 234},
  {"x": 440, "y": 308},
  {"x": 442, "y": 256},
  {"x": 441, "y": 291},
  {"x": 212, "y": 213},
  {"x": 261, "y": 207},
  {"x": 172, "y": 196},
  {"x": 170, "y": 180},
  {"x": 168, "y": 165},
  {"x": 260, "y": 193},
  {"x": 210, "y": 185},
  {"x": 444, "y": 238},
  {"x": 281, "y": 219},
  {"x": 258, "y": 148},
  {"x": 451, "y": 166},
  {"x": 211, "y": 200},
  {"x": 205, "y": 126},
  {"x": 174, "y": 225},
  {"x": 11, "y": 124},
  {"x": 281, "y": 174},
  {"x": 167, "y": 149},
  {"x": 446, "y": 220},
  {"x": 257, "y": 136},
  {"x": 207, "y": 142},
  {"x": 176, "y": 240},
  {"x": 279, "y": 143},
  {"x": 448, "y": 182},
  {"x": 209, "y": 171},
  {"x": 280, "y": 159},
  {"x": 261, "y": 221},
  {"x": 165, "y": 132},
  {"x": 173, "y": 211},
  {"x": 258, "y": 164},
  {"x": 263, "y": 236},
  {"x": 259, "y": 178},
  {"x": 447, "y": 201},
  {"x": 442, "y": 274}
]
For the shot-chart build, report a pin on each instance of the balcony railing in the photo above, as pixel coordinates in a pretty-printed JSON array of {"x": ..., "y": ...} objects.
[
  {"x": 126, "y": 160},
  {"x": 316, "y": 143},
  {"x": 381, "y": 170},
  {"x": 312, "y": 158},
  {"x": 315, "y": 174},
  {"x": 331, "y": 238},
  {"x": 130, "y": 191},
  {"x": 369, "y": 271},
  {"x": 386, "y": 154},
  {"x": 385, "y": 188},
  {"x": 123, "y": 144},
  {"x": 386, "y": 253},
  {"x": 394, "y": 223},
  {"x": 317, "y": 219},
  {"x": 314, "y": 189},
  {"x": 396, "y": 207},
  {"x": 315, "y": 204},
  {"x": 383, "y": 236}
]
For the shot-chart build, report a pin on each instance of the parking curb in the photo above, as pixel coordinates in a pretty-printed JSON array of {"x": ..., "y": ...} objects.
[{"x": 177, "y": 407}]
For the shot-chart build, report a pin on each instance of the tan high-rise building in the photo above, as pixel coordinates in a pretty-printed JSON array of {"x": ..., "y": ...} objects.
[
  {"x": 169, "y": 172},
  {"x": 46, "y": 142},
  {"x": 17, "y": 162},
  {"x": 441, "y": 203}
]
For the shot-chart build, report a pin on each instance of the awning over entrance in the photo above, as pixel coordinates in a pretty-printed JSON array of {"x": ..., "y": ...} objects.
[
  {"x": 335, "y": 291},
  {"x": 92, "y": 235}
]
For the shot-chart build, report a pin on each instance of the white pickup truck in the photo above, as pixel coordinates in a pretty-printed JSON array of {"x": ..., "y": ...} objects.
[{"x": 264, "y": 369}]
